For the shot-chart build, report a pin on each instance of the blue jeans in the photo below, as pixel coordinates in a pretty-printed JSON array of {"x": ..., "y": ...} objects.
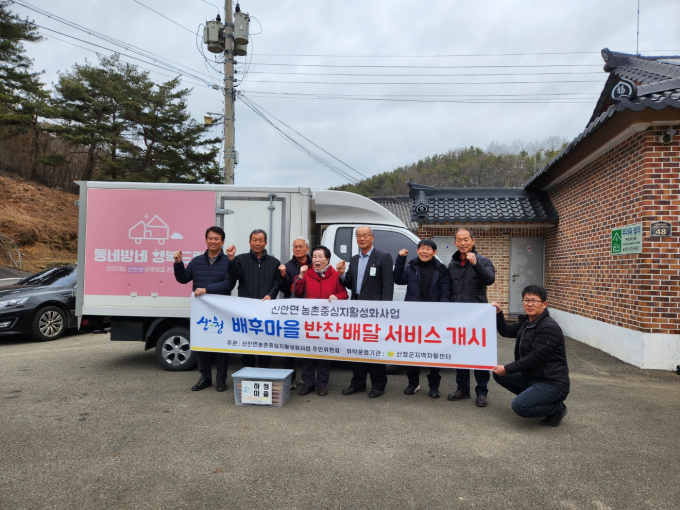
[{"x": 534, "y": 399}]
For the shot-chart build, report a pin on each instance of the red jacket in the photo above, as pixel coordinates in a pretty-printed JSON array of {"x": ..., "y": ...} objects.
[{"x": 312, "y": 286}]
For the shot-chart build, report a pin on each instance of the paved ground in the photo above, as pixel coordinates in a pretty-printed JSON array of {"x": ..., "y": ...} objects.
[{"x": 88, "y": 423}]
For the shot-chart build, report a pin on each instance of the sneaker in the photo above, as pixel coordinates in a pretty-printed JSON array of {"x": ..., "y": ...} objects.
[
  {"x": 554, "y": 420},
  {"x": 293, "y": 384},
  {"x": 411, "y": 389}
]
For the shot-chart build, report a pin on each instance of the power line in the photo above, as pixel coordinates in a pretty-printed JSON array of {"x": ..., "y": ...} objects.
[
  {"x": 424, "y": 83},
  {"x": 164, "y": 16},
  {"x": 423, "y": 75},
  {"x": 426, "y": 67}
]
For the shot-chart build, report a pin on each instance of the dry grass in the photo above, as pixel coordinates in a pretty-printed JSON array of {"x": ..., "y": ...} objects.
[{"x": 42, "y": 221}]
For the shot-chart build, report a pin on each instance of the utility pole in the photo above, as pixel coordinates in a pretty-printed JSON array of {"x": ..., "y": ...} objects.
[{"x": 229, "y": 134}]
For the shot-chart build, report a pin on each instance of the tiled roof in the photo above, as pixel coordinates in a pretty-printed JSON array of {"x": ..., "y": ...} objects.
[
  {"x": 400, "y": 207},
  {"x": 486, "y": 205},
  {"x": 657, "y": 84}
]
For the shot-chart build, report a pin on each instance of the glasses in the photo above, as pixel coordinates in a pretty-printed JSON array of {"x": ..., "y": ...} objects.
[
  {"x": 364, "y": 236},
  {"x": 532, "y": 301}
]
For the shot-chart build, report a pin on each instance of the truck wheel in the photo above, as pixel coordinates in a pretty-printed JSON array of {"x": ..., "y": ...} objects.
[
  {"x": 173, "y": 350},
  {"x": 48, "y": 323}
]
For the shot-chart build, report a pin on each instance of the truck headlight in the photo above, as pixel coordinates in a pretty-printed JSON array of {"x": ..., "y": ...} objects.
[{"x": 10, "y": 303}]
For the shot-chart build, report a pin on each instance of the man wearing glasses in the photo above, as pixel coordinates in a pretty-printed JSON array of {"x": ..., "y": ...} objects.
[
  {"x": 370, "y": 279},
  {"x": 539, "y": 376}
]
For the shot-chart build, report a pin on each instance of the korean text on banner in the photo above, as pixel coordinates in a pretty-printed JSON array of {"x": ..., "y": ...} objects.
[{"x": 396, "y": 333}]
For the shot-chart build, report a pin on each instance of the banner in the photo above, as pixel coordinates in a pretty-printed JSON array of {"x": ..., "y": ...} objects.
[{"x": 447, "y": 335}]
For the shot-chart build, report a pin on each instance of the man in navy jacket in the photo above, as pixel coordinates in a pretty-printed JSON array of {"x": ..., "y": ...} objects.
[{"x": 210, "y": 275}]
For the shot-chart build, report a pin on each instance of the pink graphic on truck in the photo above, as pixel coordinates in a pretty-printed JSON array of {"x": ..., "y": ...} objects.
[{"x": 133, "y": 234}]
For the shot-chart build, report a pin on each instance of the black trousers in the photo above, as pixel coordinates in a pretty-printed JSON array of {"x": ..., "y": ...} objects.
[
  {"x": 323, "y": 372},
  {"x": 413, "y": 374},
  {"x": 376, "y": 370},
  {"x": 205, "y": 364},
  {"x": 481, "y": 377},
  {"x": 249, "y": 360},
  {"x": 289, "y": 363}
]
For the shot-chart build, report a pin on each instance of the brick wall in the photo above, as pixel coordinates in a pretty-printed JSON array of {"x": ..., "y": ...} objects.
[
  {"x": 493, "y": 243},
  {"x": 635, "y": 182}
]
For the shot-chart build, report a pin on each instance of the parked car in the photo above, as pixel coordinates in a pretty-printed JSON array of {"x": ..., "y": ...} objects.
[{"x": 42, "y": 305}]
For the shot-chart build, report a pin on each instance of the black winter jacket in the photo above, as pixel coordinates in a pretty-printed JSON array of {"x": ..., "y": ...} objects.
[
  {"x": 214, "y": 279},
  {"x": 469, "y": 282},
  {"x": 540, "y": 353},
  {"x": 292, "y": 271},
  {"x": 256, "y": 278},
  {"x": 409, "y": 275}
]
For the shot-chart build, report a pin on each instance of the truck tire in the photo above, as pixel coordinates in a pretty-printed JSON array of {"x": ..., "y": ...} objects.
[
  {"x": 173, "y": 351},
  {"x": 48, "y": 323}
]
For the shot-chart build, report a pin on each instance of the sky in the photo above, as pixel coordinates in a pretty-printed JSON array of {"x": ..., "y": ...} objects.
[{"x": 400, "y": 81}]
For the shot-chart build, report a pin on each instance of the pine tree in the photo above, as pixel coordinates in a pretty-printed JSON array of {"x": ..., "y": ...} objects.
[{"x": 22, "y": 96}]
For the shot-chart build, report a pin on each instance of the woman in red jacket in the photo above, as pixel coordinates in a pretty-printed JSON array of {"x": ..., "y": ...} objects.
[{"x": 323, "y": 282}]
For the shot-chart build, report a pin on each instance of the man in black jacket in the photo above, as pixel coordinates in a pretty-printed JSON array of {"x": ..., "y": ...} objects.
[
  {"x": 289, "y": 271},
  {"x": 539, "y": 376},
  {"x": 370, "y": 279},
  {"x": 210, "y": 274},
  {"x": 258, "y": 277},
  {"x": 426, "y": 279},
  {"x": 471, "y": 274}
]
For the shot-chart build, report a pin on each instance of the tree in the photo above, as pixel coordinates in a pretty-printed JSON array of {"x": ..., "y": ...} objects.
[
  {"x": 132, "y": 128},
  {"x": 22, "y": 96}
]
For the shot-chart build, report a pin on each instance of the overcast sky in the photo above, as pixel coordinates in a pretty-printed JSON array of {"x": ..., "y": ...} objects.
[{"x": 434, "y": 114}]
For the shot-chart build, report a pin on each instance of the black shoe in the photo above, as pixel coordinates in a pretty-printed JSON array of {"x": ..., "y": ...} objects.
[
  {"x": 434, "y": 393},
  {"x": 306, "y": 390},
  {"x": 481, "y": 401},
  {"x": 554, "y": 420},
  {"x": 352, "y": 390},
  {"x": 458, "y": 395},
  {"x": 221, "y": 386},
  {"x": 411, "y": 389},
  {"x": 375, "y": 393},
  {"x": 201, "y": 384}
]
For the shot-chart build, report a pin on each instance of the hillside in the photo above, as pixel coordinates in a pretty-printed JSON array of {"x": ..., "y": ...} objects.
[{"x": 42, "y": 221}]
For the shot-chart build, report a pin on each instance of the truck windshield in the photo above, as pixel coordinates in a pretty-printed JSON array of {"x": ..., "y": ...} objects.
[{"x": 55, "y": 276}]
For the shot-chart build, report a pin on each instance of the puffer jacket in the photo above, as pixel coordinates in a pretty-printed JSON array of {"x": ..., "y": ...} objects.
[
  {"x": 469, "y": 282},
  {"x": 313, "y": 286},
  {"x": 540, "y": 353},
  {"x": 292, "y": 270},
  {"x": 409, "y": 275},
  {"x": 214, "y": 279}
]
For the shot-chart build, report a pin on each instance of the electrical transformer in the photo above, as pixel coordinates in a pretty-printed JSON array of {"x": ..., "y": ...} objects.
[
  {"x": 241, "y": 25},
  {"x": 213, "y": 36},
  {"x": 240, "y": 50}
]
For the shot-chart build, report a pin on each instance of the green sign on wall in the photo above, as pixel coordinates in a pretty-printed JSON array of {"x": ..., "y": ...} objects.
[{"x": 627, "y": 239}]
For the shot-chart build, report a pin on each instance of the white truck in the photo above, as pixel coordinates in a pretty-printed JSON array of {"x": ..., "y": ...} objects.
[{"x": 128, "y": 233}]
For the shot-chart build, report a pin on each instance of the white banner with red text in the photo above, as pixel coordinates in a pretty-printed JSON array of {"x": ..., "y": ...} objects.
[{"x": 452, "y": 335}]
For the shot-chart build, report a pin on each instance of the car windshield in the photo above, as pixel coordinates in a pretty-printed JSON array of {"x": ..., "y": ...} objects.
[{"x": 55, "y": 276}]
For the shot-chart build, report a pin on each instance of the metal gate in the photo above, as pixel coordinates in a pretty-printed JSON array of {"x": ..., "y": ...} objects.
[{"x": 526, "y": 267}]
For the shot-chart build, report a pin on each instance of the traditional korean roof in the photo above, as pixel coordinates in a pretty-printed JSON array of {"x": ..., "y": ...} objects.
[
  {"x": 480, "y": 205},
  {"x": 400, "y": 207},
  {"x": 635, "y": 83}
]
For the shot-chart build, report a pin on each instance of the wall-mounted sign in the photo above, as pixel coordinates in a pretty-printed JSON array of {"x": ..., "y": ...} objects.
[
  {"x": 626, "y": 240},
  {"x": 660, "y": 229}
]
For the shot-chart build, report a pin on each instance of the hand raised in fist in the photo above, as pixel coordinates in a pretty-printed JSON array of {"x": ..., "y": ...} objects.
[
  {"x": 403, "y": 252},
  {"x": 340, "y": 267},
  {"x": 178, "y": 256},
  {"x": 282, "y": 270},
  {"x": 231, "y": 252},
  {"x": 303, "y": 270},
  {"x": 472, "y": 258}
]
